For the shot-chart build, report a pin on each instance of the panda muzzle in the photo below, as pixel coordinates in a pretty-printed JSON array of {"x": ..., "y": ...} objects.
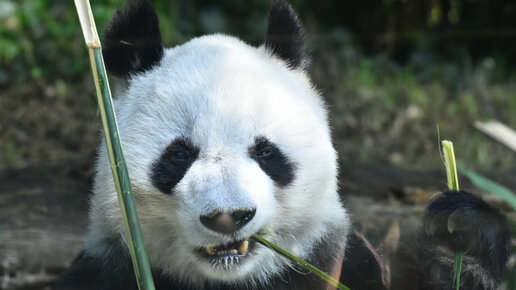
[{"x": 227, "y": 222}]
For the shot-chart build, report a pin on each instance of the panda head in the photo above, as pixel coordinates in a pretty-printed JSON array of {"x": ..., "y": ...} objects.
[{"x": 222, "y": 141}]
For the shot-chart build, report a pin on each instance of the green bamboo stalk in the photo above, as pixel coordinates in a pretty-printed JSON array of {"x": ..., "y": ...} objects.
[
  {"x": 453, "y": 184},
  {"x": 457, "y": 268},
  {"x": 323, "y": 275},
  {"x": 118, "y": 167}
]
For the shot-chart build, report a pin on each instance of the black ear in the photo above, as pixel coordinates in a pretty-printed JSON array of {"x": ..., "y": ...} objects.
[
  {"x": 132, "y": 41},
  {"x": 286, "y": 35}
]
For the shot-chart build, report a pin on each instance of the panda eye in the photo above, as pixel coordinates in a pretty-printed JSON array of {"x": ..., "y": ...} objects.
[
  {"x": 180, "y": 155},
  {"x": 265, "y": 153},
  {"x": 272, "y": 161}
]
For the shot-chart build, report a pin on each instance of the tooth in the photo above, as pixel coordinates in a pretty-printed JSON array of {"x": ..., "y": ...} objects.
[
  {"x": 210, "y": 251},
  {"x": 233, "y": 251},
  {"x": 243, "y": 247},
  {"x": 214, "y": 214}
]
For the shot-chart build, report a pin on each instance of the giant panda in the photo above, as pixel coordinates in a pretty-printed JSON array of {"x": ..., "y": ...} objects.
[{"x": 224, "y": 140}]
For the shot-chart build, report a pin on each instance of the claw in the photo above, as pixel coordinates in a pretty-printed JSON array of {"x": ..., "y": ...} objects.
[{"x": 451, "y": 226}]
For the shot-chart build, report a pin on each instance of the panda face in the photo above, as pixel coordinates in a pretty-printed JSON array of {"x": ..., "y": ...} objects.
[{"x": 222, "y": 141}]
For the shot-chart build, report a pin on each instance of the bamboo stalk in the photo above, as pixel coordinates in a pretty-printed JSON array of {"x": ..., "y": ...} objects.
[
  {"x": 457, "y": 268},
  {"x": 453, "y": 184},
  {"x": 118, "y": 167},
  {"x": 323, "y": 275}
]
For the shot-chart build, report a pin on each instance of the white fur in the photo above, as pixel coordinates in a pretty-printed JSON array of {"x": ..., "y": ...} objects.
[{"x": 221, "y": 93}]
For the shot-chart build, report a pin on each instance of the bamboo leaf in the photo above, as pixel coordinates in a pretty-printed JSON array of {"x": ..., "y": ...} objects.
[{"x": 490, "y": 186}]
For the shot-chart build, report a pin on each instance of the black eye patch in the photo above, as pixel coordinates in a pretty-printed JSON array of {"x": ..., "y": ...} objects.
[
  {"x": 173, "y": 164},
  {"x": 272, "y": 161}
]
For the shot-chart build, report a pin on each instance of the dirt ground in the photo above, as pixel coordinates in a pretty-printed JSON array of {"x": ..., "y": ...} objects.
[{"x": 44, "y": 213}]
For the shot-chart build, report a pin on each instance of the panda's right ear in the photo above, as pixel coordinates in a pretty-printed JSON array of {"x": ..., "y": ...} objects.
[
  {"x": 286, "y": 36},
  {"x": 132, "y": 41}
]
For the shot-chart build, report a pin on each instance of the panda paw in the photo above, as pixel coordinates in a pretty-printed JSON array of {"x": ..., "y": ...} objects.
[{"x": 461, "y": 222}]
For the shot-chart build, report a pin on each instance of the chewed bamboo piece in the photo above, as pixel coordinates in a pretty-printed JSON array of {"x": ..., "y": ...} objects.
[
  {"x": 498, "y": 131},
  {"x": 118, "y": 167},
  {"x": 453, "y": 184},
  {"x": 451, "y": 165}
]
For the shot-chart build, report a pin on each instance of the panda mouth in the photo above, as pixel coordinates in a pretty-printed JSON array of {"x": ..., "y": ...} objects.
[{"x": 235, "y": 249}]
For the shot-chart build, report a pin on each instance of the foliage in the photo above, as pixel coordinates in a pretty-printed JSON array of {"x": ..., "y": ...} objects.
[
  {"x": 374, "y": 98},
  {"x": 376, "y": 101},
  {"x": 490, "y": 186},
  {"x": 41, "y": 39}
]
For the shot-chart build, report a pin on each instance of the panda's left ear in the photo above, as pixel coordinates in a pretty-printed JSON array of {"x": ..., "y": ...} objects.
[
  {"x": 132, "y": 41},
  {"x": 286, "y": 36}
]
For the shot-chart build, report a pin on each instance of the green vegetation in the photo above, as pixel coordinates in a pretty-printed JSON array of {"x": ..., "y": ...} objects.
[
  {"x": 490, "y": 186},
  {"x": 390, "y": 111},
  {"x": 41, "y": 40},
  {"x": 133, "y": 233}
]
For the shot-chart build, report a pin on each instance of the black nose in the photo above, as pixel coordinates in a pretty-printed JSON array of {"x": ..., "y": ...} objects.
[{"x": 227, "y": 222}]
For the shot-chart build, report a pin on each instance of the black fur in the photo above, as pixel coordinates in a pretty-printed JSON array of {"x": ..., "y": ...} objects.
[
  {"x": 482, "y": 232},
  {"x": 89, "y": 272},
  {"x": 479, "y": 231},
  {"x": 464, "y": 223},
  {"x": 132, "y": 41},
  {"x": 173, "y": 164},
  {"x": 272, "y": 161},
  {"x": 286, "y": 35},
  {"x": 360, "y": 269},
  {"x": 424, "y": 261},
  {"x": 114, "y": 271}
]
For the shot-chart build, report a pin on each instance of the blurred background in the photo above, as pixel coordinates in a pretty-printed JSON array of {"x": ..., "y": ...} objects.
[{"x": 390, "y": 70}]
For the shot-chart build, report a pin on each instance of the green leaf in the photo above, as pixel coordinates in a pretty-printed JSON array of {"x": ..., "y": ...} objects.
[
  {"x": 490, "y": 186},
  {"x": 457, "y": 268}
]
